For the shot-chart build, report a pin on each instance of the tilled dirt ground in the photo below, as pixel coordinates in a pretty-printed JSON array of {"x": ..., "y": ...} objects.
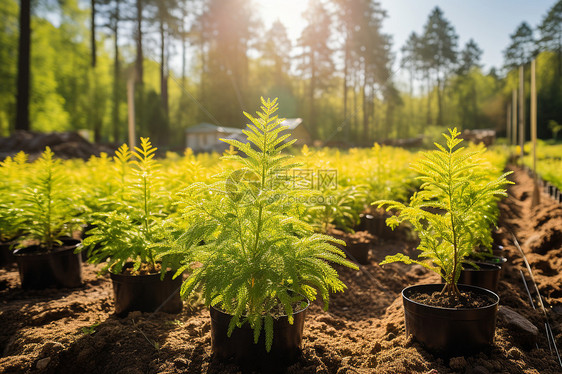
[{"x": 75, "y": 331}]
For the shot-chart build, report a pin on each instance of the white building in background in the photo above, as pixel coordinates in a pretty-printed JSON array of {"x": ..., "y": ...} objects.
[{"x": 204, "y": 137}]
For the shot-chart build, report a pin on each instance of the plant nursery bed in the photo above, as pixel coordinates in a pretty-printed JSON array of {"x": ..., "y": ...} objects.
[{"x": 76, "y": 331}]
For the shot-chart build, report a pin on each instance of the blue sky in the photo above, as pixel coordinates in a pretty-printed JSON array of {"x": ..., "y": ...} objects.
[{"x": 488, "y": 22}]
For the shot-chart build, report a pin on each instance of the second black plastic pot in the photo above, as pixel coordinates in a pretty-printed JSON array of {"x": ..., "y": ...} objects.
[
  {"x": 59, "y": 268},
  {"x": 376, "y": 225},
  {"x": 240, "y": 347},
  {"x": 6, "y": 253},
  {"x": 450, "y": 331},
  {"x": 486, "y": 275},
  {"x": 358, "y": 252},
  {"x": 146, "y": 293}
]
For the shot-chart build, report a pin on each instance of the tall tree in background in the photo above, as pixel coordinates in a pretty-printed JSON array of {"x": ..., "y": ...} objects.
[
  {"x": 274, "y": 64},
  {"x": 93, "y": 31},
  {"x": 374, "y": 52},
  {"x": 9, "y": 35},
  {"x": 168, "y": 25},
  {"x": 522, "y": 47},
  {"x": 464, "y": 85},
  {"x": 110, "y": 10},
  {"x": 469, "y": 57},
  {"x": 550, "y": 93},
  {"x": 317, "y": 65},
  {"x": 439, "y": 44},
  {"x": 186, "y": 16},
  {"x": 24, "y": 53},
  {"x": 393, "y": 100},
  {"x": 276, "y": 53},
  {"x": 551, "y": 33},
  {"x": 348, "y": 15},
  {"x": 138, "y": 19},
  {"x": 228, "y": 29},
  {"x": 411, "y": 62}
]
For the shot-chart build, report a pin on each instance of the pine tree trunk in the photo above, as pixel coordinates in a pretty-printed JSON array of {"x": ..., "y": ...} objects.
[
  {"x": 138, "y": 37},
  {"x": 116, "y": 75},
  {"x": 355, "y": 125},
  {"x": 312, "y": 88},
  {"x": 163, "y": 71},
  {"x": 428, "y": 113},
  {"x": 93, "y": 32},
  {"x": 365, "y": 107},
  {"x": 163, "y": 136},
  {"x": 24, "y": 52},
  {"x": 439, "y": 102},
  {"x": 345, "y": 78}
]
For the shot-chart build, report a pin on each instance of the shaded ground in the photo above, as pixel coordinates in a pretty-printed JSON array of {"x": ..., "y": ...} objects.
[{"x": 74, "y": 331}]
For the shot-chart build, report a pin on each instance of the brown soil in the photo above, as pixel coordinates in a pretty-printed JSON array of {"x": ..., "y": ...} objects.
[
  {"x": 144, "y": 269},
  {"x": 466, "y": 300},
  {"x": 75, "y": 331}
]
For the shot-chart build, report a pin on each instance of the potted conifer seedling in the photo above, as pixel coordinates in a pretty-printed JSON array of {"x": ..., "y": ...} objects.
[
  {"x": 447, "y": 215},
  {"x": 257, "y": 264},
  {"x": 128, "y": 238},
  {"x": 46, "y": 255}
]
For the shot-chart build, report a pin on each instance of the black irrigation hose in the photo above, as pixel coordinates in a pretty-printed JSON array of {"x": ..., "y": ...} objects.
[
  {"x": 532, "y": 304},
  {"x": 549, "y": 335},
  {"x": 527, "y": 289}
]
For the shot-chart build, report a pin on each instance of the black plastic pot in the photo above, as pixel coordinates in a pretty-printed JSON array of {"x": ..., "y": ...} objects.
[
  {"x": 486, "y": 275},
  {"x": 450, "y": 331},
  {"x": 146, "y": 293},
  {"x": 359, "y": 252},
  {"x": 240, "y": 347},
  {"x": 6, "y": 253},
  {"x": 60, "y": 268},
  {"x": 376, "y": 225},
  {"x": 491, "y": 259}
]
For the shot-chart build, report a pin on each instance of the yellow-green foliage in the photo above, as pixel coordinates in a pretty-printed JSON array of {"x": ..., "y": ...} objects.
[
  {"x": 363, "y": 175},
  {"x": 47, "y": 202},
  {"x": 450, "y": 210},
  {"x": 131, "y": 231},
  {"x": 549, "y": 161},
  {"x": 11, "y": 183},
  {"x": 252, "y": 251}
]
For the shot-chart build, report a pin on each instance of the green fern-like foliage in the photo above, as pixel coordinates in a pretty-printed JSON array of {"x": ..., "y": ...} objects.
[
  {"x": 338, "y": 208},
  {"x": 48, "y": 202},
  {"x": 11, "y": 183},
  {"x": 132, "y": 231},
  {"x": 242, "y": 240},
  {"x": 449, "y": 211}
]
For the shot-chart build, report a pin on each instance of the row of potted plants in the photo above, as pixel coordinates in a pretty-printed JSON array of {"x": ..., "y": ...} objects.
[{"x": 243, "y": 240}]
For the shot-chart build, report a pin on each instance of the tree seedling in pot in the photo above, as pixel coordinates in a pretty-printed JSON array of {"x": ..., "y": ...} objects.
[
  {"x": 131, "y": 232},
  {"x": 48, "y": 204},
  {"x": 449, "y": 211},
  {"x": 243, "y": 241}
]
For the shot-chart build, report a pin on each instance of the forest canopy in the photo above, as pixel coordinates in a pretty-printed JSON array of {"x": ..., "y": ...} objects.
[{"x": 196, "y": 61}]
